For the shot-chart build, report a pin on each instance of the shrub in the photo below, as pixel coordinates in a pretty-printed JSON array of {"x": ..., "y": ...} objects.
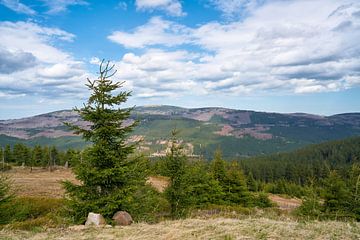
[
  {"x": 30, "y": 208},
  {"x": 261, "y": 200}
]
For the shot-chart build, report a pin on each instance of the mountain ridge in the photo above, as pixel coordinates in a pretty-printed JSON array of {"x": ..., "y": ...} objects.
[
  {"x": 300, "y": 114},
  {"x": 238, "y": 132}
]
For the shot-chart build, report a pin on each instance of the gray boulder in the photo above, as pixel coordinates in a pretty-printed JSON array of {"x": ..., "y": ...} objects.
[
  {"x": 95, "y": 219},
  {"x": 122, "y": 218}
]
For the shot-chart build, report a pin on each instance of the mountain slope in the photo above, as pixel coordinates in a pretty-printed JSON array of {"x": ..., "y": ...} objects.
[
  {"x": 237, "y": 132},
  {"x": 309, "y": 163}
]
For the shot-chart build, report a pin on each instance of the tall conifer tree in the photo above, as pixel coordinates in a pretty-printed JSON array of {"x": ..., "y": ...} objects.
[{"x": 109, "y": 177}]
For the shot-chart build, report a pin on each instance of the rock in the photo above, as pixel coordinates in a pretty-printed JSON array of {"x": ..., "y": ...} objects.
[
  {"x": 95, "y": 219},
  {"x": 122, "y": 218}
]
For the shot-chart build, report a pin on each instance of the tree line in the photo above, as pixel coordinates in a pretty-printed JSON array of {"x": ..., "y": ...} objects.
[
  {"x": 37, "y": 156},
  {"x": 305, "y": 165}
]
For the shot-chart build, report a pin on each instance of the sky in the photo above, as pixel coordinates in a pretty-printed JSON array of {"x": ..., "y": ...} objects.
[{"x": 265, "y": 55}]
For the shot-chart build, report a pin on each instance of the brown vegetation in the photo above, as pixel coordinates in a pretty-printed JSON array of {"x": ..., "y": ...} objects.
[
  {"x": 219, "y": 228},
  {"x": 40, "y": 182}
]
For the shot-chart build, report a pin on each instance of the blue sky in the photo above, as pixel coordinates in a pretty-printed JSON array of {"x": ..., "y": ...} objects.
[{"x": 276, "y": 56}]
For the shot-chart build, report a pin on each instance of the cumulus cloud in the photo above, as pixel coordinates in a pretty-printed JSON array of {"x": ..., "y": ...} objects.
[
  {"x": 282, "y": 46},
  {"x": 157, "y": 73},
  {"x": 171, "y": 7},
  {"x": 30, "y": 64},
  {"x": 30, "y": 37},
  {"x": 15, "y": 61},
  {"x": 60, "y": 70},
  {"x": 17, "y": 6},
  {"x": 156, "y": 32}
]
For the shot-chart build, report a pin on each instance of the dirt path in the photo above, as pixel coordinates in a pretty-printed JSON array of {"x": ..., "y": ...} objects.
[{"x": 285, "y": 203}]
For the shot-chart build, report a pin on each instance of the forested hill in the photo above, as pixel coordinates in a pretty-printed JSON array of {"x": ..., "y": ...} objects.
[
  {"x": 310, "y": 163},
  {"x": 239, "y": 133}
]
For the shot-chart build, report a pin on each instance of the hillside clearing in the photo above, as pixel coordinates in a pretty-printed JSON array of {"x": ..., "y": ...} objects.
[
  {"x": 40, "y": 182},
  {"x": 220, "y": 228}
]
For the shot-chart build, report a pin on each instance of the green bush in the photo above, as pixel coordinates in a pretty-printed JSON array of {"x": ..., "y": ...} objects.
[
  {"x": 27, "y": 209},
  {"x": 147, "y": 205},
  {"x": 34, "y": 223},
  {"x": 5, "y": 194},
  {"x": 261, "y": 200},
  {"x": 310, "y": 208}
]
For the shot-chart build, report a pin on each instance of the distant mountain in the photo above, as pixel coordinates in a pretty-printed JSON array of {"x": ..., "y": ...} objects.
[{"x": 236, "y": 132}]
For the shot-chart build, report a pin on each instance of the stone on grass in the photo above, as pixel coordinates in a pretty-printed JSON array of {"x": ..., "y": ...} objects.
[
  {"x": 122, "y": 218},
  {"x": 95, "y": 219}
]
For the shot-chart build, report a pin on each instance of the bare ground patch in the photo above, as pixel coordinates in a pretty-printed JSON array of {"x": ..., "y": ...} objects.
[{"x": 285, "y": 203}]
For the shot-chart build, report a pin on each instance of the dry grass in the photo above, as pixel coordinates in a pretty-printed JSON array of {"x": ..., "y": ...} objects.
[
  {"x": 220, "y": 228},
  {"x": 158, "y": 182},
  {"x": 40, "y": 182},
  {"x": 43, "y": 183}
]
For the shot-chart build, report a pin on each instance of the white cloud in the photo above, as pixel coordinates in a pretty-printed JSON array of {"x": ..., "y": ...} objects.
[
  {"x": 156, "y": 32},
  {"x": 282, "y": 46},
  {"x": 157, "y": 73},
  {"x": 233, "y": 8},
  {"x": 58, "y": 6},
  {"x": 30, "y": 37},
  {"x": 171, "y": 7},
  {"x": 17, "y": 6},
  {"x": 34, "y": 66},
  {"x": 60, "y": 70}
]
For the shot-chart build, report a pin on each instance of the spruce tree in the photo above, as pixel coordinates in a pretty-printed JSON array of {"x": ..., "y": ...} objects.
[
  {"x": 8, "y": 156},
  {"x": 37, "y": 156},
  {"x": 336, "y": 194},
  {"x": 354, "y": 185},
  {"x": 176, "y": 169},
  {"x": 252, "y": 183},
  {"x": 234, "y": 186},
  {"x": 218, "y": 166},
  {"x": 54, "y": 156},
  {"x": 109, "y": 176}
]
